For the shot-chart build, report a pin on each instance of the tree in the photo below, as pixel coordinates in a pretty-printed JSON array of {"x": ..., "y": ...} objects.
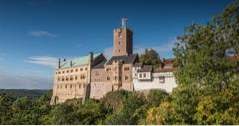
[
  {"x": 201, "y": 56},
  {"x": 91, "y": 112},
  {"x": 21, "y": 109},
  {"x": 155, "y": 97},
  {"x": 206, "y": 75},
  {"x": 150, "y": 57},
  {"x": 5, "y": 113},
  {"x": 123, "y": 105},
  {"x": 164, "y": 114},
  {"x": 61, "y": 114}
]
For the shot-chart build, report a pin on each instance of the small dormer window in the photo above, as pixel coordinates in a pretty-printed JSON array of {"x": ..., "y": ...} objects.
[
  {"x": 144, "y": 75},
  {"x": 140, "y": 75},
  {"x": 161, "y": 79}
]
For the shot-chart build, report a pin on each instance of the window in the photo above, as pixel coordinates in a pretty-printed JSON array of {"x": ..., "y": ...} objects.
[
  {"x": 140, "y": 75},
  {"x": 63, "y": 71},
  {"x": 75, "y": 77},
  {"x": 115, "y": 78},
  {"x": 67, "y": 71},
  {"x": 162, "y": 79},
  {"x": 108, "y": 78},
  {"x": 82, "y": 76},
  {"x": 79, "y": 85},
  {"x": 81, "y": 69},
  {"x": 71, "y": 86},
  {"x": 59, "y": 72},
  {"x": 144, "y": 75},
  {"x": 56, "y": 72},
  {"x": 63, "y": 79},
  {"x": 126, "y": 68},
  {"x": 65, "y": 86},
  {"x": 76, "y": 70},
  {"x": 71, "y": 71},
  {"x": 108, "y": 69},
  {"x": 126, "y": 77},
  {"x": 58, "y": 79},
  {"x": 86, "y": 68},
  {"x": 71, "y": 78},
  {"x": 66, "y": 78}
]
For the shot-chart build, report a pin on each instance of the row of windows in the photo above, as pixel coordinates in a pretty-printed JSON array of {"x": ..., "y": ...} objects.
[
  {"x": 70, "y": 78},
  {"x": 70, "y": 86},
  {"x": 125, "y": 69},
  {"x": 115, "y": 78},
  {"x": 70, "y": 71},
  {"x": 140, "y": 75}
]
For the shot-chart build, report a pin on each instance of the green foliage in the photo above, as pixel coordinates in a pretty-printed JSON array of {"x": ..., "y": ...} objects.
[
  {"x": 164, "y": 114},
  {"x": 155, "y": 97},
  {"x": 5, "y": 114},
  {"x": 150, "y": 57},
  {"x": 123, "y": 105},
  {"x": 208, "y": 91},
  {"x": 201, "y": 53}
]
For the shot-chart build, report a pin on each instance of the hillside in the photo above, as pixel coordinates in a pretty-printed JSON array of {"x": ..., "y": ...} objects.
[{"x": 16, "y": 93}]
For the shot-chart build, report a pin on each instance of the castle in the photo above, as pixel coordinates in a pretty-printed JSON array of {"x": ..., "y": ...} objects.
[{"x": 93, "y": 76}]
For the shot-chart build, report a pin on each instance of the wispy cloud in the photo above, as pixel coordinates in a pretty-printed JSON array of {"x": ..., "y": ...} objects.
[
  {"x": 43, "y": 60},
  {"x": 42, "y": 34},
  {"x": 164, "y": 49},
  {"x": 108, "y": 52}
]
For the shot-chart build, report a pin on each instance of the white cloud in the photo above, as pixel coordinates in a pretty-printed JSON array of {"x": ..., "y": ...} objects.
[
  {"x": 43, "y": 60},
  {"x": 42, "y": 34},
  {"x": 10, "y": 81},
  {"x": 164, "y": 49},
  {"x": 108, "y": 52}
]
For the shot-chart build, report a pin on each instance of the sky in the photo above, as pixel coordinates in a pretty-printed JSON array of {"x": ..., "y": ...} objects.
[{"x": 35, "y": 33}]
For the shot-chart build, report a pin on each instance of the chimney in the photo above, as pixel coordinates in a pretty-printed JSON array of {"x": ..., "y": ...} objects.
[
  {"x": 71, "y": 63},
  {"x": 59, "y": 63}
]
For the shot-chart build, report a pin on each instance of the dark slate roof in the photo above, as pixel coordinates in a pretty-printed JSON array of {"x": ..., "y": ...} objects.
[
  {"x": 126, "y": 59},
  {"x": 146, "y": 68},
  {"x": 138, "y": 64},
  {"x": 100, "y": 65}
]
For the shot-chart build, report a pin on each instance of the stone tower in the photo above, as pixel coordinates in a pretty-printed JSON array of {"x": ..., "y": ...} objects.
[{"x": 123, "y": 40}]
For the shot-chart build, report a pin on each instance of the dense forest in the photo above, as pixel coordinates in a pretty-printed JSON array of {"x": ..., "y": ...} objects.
[
  {"x": 207, "y": 61},
  {"x": 16, "y": 93}
]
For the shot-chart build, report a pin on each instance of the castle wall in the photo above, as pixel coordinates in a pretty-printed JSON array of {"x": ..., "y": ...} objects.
[{"x": 70, "y": 82}]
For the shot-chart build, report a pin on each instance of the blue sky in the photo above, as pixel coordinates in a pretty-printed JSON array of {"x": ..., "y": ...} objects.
[{"x": 34, "y": 33}]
